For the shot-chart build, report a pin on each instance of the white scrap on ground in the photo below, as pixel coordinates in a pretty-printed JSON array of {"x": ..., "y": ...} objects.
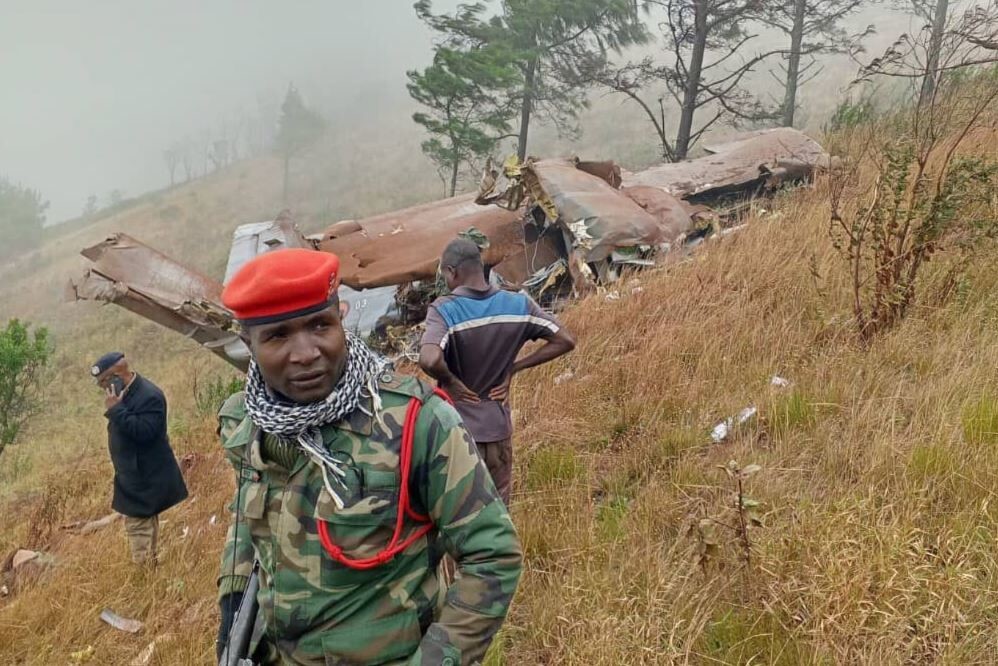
[
  {"x": 723, "y": 429},
  {"x": 22, "y": 557},
  {"x": 121, "y": 623}
]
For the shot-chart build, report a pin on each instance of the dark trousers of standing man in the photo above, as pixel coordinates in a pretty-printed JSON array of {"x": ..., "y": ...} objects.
[{"x": 498, "y": 458}]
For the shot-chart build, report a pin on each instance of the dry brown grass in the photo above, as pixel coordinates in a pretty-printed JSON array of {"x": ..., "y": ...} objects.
[{"x": 879, "y": 470}]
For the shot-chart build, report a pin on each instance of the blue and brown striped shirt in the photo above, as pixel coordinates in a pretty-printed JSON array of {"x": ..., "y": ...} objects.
[{"x": 481, "y": 333}]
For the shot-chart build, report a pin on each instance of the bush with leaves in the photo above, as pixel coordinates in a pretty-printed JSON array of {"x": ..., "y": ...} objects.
[
  {"x": 738, "y": 517},
  {"x": 922, "y": 195},
  {"x": 23, "y": 357},
  {"x": 851, "y": 114},
  {"x": 211, "y": 393}
]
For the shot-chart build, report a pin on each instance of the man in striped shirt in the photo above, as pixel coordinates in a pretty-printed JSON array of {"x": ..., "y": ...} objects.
[{"x": 472, "y": 339}]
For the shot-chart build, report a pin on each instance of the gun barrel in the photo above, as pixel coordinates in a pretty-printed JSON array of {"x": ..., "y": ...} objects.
[{"x": 236, "y": 650}]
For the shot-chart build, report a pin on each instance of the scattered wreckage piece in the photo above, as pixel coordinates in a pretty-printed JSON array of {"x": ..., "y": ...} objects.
[
  {"x": 602, "y": 226},
  {"x": 21, "y": 567},
  {"x": 721, "y": 431},
  {"x": 120, "y": 623},
  {"x": 249, "y": 240},
  {"x": 131, "y": 274},
  {"x": 748, "y": 163},
  {"x": 404, "y": 246}
]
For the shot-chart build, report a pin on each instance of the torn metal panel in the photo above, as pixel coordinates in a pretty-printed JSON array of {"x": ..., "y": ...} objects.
[
  {"x": 599, "y": 218},
  {"x": 542, "y": 248},
  {"x": 673, "y": 215},
  {"x": 131, "y": 274},
  {"x": 405, "y": 245},
  {"x": 250, "y": 240},
  {"x": 365, "y": 308},
  {"x": 763, "y": 159},
  {"x": 608, "y": 171}
]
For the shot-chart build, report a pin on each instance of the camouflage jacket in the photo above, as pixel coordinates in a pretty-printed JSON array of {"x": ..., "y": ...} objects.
[{"x": 318, "y": 611}]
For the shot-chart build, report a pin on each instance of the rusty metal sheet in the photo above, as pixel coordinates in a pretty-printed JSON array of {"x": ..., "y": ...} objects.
[
  {"x": 599, "y": 218},
  {"x": 750, "y": 160},
  {"x": 131, "y": 274},
  {"x": 672, "y": 214},
  {"x": 607, "y": 170},
  {"x": 405, "y": 245},
  {"x": 541, "y": 249}
]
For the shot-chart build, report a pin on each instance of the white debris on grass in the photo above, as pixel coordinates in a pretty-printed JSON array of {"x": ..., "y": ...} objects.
[
  {"x": 120, "y": 623},
  {"x": 724, "y": 428}
]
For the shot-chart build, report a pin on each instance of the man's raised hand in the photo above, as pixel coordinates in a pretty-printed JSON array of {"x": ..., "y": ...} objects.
[{"x": 111, "y": 397}]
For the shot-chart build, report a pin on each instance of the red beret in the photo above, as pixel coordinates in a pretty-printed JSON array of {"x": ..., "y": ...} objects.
[{"x": 282, "y": 284}]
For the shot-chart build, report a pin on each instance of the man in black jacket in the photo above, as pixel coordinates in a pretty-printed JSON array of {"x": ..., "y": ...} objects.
[{"x": 147, "y": 479}]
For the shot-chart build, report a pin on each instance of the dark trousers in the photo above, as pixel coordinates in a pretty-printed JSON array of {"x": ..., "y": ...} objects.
[{"x": 498, "y": 457}]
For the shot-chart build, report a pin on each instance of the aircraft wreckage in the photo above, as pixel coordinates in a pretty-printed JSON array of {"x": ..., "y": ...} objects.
[{"x": 556, "y": 228}]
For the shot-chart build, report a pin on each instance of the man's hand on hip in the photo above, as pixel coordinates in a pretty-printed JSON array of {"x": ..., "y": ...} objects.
[
  {"x": 500, "y": 392},
  {"x": 457, "y": 390}
]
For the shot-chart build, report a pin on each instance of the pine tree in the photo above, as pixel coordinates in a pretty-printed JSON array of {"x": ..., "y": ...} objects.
[
  {"x": 467, "y": 112},
  {"x": 814, "y": 27},
  {"x": 546, "y": 39},
  {"x": 22, "y": 216},
  {"x": 298, "y": 127}
]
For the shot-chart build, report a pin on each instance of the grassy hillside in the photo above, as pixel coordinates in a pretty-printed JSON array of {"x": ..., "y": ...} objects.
[{"x": 876, "y": 490}]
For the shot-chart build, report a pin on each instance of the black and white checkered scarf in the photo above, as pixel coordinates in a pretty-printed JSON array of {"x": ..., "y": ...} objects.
[{"x": 299, "y": 424}]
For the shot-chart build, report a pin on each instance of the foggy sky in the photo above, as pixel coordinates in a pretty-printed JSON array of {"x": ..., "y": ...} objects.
[{"x": 93, "y": 92}]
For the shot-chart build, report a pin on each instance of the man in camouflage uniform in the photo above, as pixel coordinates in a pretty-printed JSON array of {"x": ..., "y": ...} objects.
[{"x": 316, "y": 438}]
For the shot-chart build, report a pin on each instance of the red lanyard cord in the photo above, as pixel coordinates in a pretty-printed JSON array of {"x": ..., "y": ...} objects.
[{"x": 397, "y": 544}]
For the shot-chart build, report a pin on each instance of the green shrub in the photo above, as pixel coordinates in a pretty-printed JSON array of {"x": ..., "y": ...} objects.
[
  {"x": 980, "y": 421},
  {"x": 209, "y": 395},
  {"x": 789, "y": 413},
  {"x": 610, "y": 517},
  {"x": 849, "y": 114},
  {"x": 552, "y": 467},
  {"x": 23, "y": 357}
]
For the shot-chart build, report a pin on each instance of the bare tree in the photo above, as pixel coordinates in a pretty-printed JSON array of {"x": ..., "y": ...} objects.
[
  {"x": 236, "y": 129},
  {"x": 928, "y": 56},
  {"x": 814, "y": 27},
  {"x": 90, "y": 208},
  {"x": 939, "y": 17},
  {"x": 707, "y": 39},
  {"x": 188, "y": 155},
  {"x": 172, "y": 158},
  {"x": 220, "y": 153},
  {"x": 203, "y": 150},
  {"x": 980, "y": 26}
]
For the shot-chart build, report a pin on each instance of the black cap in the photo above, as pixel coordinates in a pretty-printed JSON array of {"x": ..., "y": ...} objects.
[{"x": 105, "y": 362}]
